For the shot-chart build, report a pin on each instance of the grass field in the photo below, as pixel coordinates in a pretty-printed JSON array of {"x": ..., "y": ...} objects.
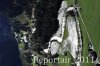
[{"x": 91, "y": 18}]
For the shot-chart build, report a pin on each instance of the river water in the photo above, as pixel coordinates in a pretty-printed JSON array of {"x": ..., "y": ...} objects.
[{"x": 9, "y": 54}]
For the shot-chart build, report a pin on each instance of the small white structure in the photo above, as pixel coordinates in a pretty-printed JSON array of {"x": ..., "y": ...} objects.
[
  {"x": 24, "y": 38},
  {"x": 46, "y": 50},
  {"x": 33, "y": 29},
  {"x": 70, "y": 9}
]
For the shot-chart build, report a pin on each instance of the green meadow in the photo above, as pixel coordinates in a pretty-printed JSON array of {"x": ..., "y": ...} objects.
[{"x": 91, "y": 17}]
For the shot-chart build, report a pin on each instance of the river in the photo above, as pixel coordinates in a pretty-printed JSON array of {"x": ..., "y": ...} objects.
[{"x": 9, "y": 54}]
